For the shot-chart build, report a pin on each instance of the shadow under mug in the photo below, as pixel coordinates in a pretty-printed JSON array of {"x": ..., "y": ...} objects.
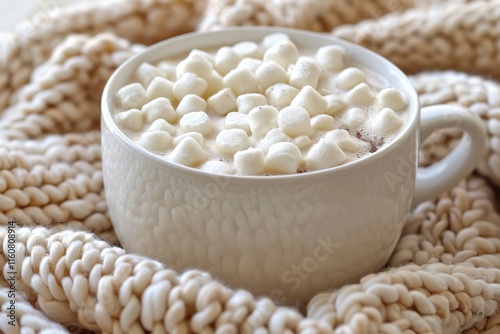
[{"x": 287, "y": 236}]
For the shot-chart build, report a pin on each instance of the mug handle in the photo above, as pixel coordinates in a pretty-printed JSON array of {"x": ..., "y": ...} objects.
[{"x": 461, "y": 161}]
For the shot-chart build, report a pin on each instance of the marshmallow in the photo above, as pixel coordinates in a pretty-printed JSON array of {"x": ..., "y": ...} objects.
[
  {"x": 230, "y": 141},
  {"x": 247, "y": 49},
  {"x": 208, "y": 56},
  {"x": 302, "y": 142},
  {"x": 194, "y": 63},
  {"x": 355, "y": 117},
  {"x": 241, "y": 81},
  {"x": 391, "y": 98},
  {"x": 226, "y": 59},
  {"x": 283, "y": 158},
  {"x": 324, "y": 154},
  {"x": 214, "y": 83},
  {"x": 349, "y": 78},
  {"x": 309, "y": 99},
  {"x": 169, "y": 68},
  {"x": 262, "y": 119},
  {"x": 161, "y": 87},
  {"x": 237, "y": 120},
  {"x": 188, "y": 153},
  {"x": 162, "y": 125},
  {"x": 272, "y": 137},
  {"x": 222, "y": 102},
  {"x": 249, "y": 162},
  {"x": 250, "y": 63},
  {"x": 190, "y": 103},
  {"x": 294, "y": 121},
  {"x": 132, "y": 119},
  {"x": 195, "y": 135},
  {"x": 247, "y": 102},
  {"x": 274, "y": 38},
  {"x": 269, "y": 73},
  {"x": 280, "y": 95},
  {"x": 132, "y": 96},
  {"x": 323, "y": 122},
  {"x": 159, "y": 108},
  {"x": 305, "y": 72},
  {"x": 334, "y": 105},
  {"x": 155, "y": 140},
  {"x": 331, "y": 57},
  {"x": 361, "y": 95},
  {"x": 197, "y": 121},
  {"x": 283, "y": 52},
  {"x": 386, "y": 122},
  {"x": 217, "y": 167},
  {"x": 146, "y": 73},
  {"x": 189, "y": 83},
  {"x": 343, "y": 140}
]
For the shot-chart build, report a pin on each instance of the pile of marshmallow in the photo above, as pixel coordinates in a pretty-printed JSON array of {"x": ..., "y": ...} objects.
[{"x": 256, "y": 108}]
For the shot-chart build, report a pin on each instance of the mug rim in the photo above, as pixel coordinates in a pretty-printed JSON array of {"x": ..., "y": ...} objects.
[{"x": 189, "y": 42}]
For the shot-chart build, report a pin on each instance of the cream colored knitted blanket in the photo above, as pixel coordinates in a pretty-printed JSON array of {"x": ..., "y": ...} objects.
[{"x": 62, "y": 270}]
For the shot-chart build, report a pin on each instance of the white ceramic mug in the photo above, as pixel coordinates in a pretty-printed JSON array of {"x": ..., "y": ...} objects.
[{"x": 284, "y": 236}]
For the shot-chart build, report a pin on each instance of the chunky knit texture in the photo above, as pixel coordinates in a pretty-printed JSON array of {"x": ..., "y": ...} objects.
[{"x": 72, "y": 276}]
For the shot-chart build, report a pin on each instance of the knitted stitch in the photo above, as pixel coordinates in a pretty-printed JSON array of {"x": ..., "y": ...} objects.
[{"x": 444, "y": 276}]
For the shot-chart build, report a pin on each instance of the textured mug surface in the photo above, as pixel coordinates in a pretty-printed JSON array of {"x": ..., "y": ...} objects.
[{"x": 287, "y": 237}]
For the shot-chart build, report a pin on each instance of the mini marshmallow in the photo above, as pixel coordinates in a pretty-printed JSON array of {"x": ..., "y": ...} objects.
[
  {"x": 272, "y": 137},
  {"x": 226, "y": 59},
  {"x": 247, "y": 102},
  {"x": 274, "y": 38},
  {"x": 302, "y": 141},
  {"x": 196, "y": 64},
  {"x": 159, "y": 108},
  {"x": 208, "y": 56},
  {"x": 283, "y": 52},
  {"x": 309, "y": 99},
  {"x": 391, "y": 98},
  {"x": 241, "y": 81},
  {"x": 355, "y": 117},
  {"x": 262, "y": 119},
  {"x": 305, "y": 72},
  {"x": 146, "y": 73},
  {"x": 323, "y": 122},
  {"x": 155, "y": 140},
  {"x": 217, "y": 167},
  {"x": 343, "y": 140},
  {"x": 249, "y": 162},
  {"x": 195, "y": 135},
  {"x": 161, "y": 87},
  {"x": 331, "y": 57},
  {"x": 132, "y": 96},
  {"x": 248, "y": 49},
  {"x": 222, "y": 102},
  {"x": 197, "y": 121},
  {"x": 230, "y": 141},
  {"x": 269, "y": 73},
  {"x": 386, "y": 122},
  {"x": 237, "y": 120},
  {"x": 280, "y": 95},
  {"x": 189, "y": 83},
  {"x": 214, "y": 83},
  {"x": 132, "y": 119},
  {"x": 250, "y": 63},
  {"x": 294, "y": 121},
  {"x": 188, "y": 153},
  {"x": 324, "y": 154},
  {"x": 334, "y": 105},
  {"x": 162, "y": 125},
  {"x": 190, "y": 103},
  {"x": 169, "y": 68},
  {"x": 361, "y": 94},
  {"x": 349, "y": 78},
  {"x": 283, "y": 158}
]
